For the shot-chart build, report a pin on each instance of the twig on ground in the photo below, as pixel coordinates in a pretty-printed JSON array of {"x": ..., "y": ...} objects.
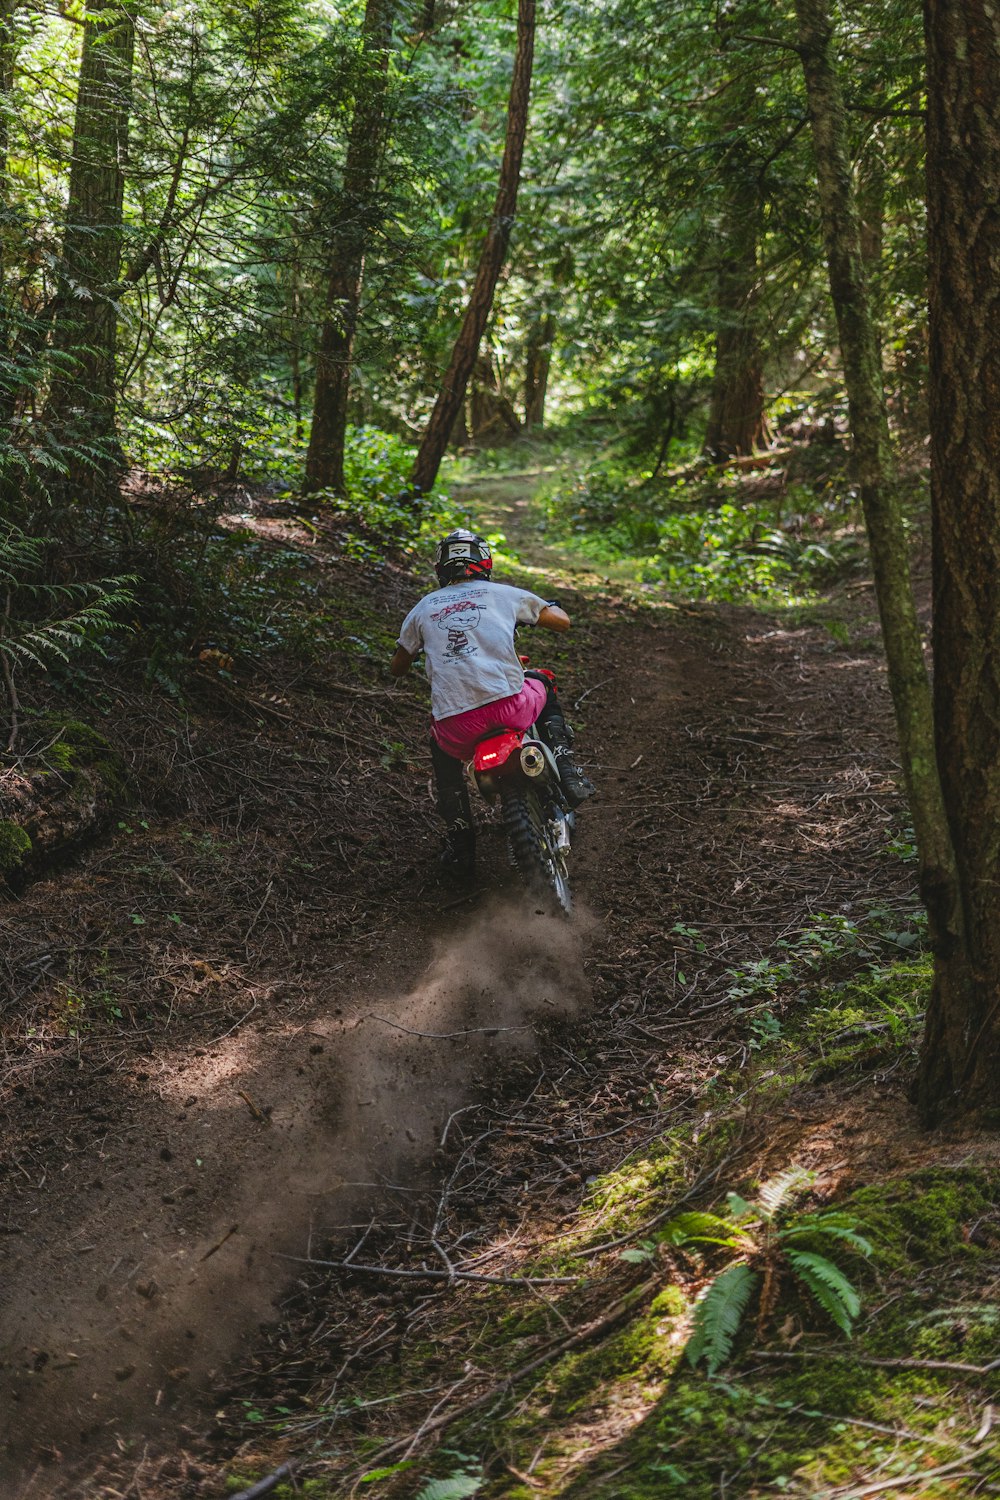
[
  {"x": 452, "y": 1275},
  {"x": 218, "y": 1246},
  {"x": 266, "y": 1485},
  {"x": 593, "y": 689},
  {"x": 901, "y": 1479},
  {"x": 955, "y": 1366},
  {"x": 439, "y": 1036}
]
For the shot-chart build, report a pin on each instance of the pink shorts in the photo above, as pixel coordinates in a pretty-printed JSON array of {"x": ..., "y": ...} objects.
[{"x": 459, "y": 734}]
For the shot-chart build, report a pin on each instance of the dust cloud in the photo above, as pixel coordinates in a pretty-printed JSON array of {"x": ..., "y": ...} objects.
[{"x": 124, "y": 1297}]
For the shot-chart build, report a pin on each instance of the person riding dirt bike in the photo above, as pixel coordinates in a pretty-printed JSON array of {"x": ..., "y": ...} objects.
[{"x": 465, "y": 628}]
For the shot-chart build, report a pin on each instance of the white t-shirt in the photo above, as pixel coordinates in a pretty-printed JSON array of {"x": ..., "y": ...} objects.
[{"x": 466, "y": 632}]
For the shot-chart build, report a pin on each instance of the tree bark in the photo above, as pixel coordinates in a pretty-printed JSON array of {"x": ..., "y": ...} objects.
[
  {"x": 492, "y": 419},
  {"x": 960, "y": 1065},
  {"x": 736, "y": 424},
  {"x": 875, "y": 472},
  {"x": 82, "y": 399},
  {"x": 538, "y": 361},
  {"x": 491, "y": 260},
  {"x": 8, "y": 333},
  {"x": 346, "y": 257}
]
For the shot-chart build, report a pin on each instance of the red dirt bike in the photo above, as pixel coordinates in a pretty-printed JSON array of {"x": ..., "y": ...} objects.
[{"x": 518, "y": 767}]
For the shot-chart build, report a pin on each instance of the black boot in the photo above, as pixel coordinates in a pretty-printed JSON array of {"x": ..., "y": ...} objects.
[
  {"x": 458, "y": 857},
  {"x": 575, "y": 784}
]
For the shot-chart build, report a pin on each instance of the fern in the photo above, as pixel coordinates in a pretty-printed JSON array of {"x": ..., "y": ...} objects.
[
  {"x": 717, "y": 1317},
  {"x": 766, "y": 1246},
  {"x": 78, "y": 613},
  {"x": 458, "y": 1486},
  {"x": 775, "y": 1194},
  {"x": 703, "y": 1228},
  {"x": 830, "y": 1225},
  {"x": 828, "y": 1286}
]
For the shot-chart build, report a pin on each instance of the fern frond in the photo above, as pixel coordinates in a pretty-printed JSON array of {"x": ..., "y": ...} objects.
[
  {"x": 718, "y": 1315},
  {"x": 776, "y": 1193},
  {"x": 17, "y": 651},
  {"x": 457, "y": 1487},
  {"x": 739, "y": 1207},
  {"x": 831, "y": 1225},
  {"x": 828, "y": 1286},
  {"x": 704, "y": 1228}
]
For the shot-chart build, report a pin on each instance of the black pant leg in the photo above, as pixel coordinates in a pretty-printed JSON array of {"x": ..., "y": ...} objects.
[{"x": 451, "y": 788}]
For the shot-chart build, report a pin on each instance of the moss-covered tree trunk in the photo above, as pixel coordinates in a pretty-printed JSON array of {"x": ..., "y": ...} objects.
[
  {"x": 876, "y": 475},
  {"x": 961, "y": 1055},
  {"x": 82, "y": 399},
  {"x": 491, "y": 259},
  {"x": 345, "y": 258}
]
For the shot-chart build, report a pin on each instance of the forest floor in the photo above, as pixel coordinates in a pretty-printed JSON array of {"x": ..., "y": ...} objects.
[{"x": 250, "y": 1031}]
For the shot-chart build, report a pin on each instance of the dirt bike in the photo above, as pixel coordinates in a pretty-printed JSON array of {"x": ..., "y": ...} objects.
[{"x": 519, "y": 768}]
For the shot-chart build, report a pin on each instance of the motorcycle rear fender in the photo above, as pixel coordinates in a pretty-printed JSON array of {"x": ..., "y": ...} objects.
[
  {"x": 492, "y": 755},
  {"x": 494, "y": 752}
]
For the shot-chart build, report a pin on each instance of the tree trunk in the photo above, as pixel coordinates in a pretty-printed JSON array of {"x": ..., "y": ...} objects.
[
  {"x": 875, "y": 472},
  {"x": 21, "y": 335},
  {"x": 493, "y": 420},
  {"x": 491, "y": 260},
  {"x": 736, "y": 423},
  {"x": 346, "y": 257},
  {"x": 960, "y": 1065},
  {"x": 81, "y": 406},
  {"x": 538, "y": 360}
]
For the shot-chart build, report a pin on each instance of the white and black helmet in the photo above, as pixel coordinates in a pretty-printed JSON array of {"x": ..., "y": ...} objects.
[{"x": 462, "y": 554}]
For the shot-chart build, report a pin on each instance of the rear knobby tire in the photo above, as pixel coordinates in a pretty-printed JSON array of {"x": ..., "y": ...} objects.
[{"x": 540, "y": 864}]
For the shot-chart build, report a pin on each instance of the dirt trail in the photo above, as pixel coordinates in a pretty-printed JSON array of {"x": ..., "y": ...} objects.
[{"x": 156, "y": 1176}]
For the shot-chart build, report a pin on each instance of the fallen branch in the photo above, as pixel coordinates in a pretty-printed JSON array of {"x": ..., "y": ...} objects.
[
  {"x": 439, "y": 1036},
  {"x": 955, "y": 1366},
  {"x": 894, "y": 1484},
  {"x": 422, "y": 1275},
  {"x": 266, "y": 1485}
]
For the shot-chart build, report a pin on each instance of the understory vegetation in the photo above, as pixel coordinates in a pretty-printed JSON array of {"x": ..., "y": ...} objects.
[{"x": 889, "y": 1372}]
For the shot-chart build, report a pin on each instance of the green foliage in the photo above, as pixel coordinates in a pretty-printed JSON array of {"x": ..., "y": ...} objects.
[
  {"x": 827, "y": 1285},
  {"x": 830, "y": 938},
  {"x": 719, "y": 1314},
  {"x": 44, "y": 620},
  {"x": 685, "y": 535},
  {"x": 465, "y": 1479},
  {"x": 771, "y": 1245},
  {"x": 15, "y": 846},
  {"x": 458, "y": 1486}
]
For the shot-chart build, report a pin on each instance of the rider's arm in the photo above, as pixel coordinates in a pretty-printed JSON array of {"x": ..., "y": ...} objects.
[
  {"x": 553, "y": 618},
  {"x": 401, "y": 662}
]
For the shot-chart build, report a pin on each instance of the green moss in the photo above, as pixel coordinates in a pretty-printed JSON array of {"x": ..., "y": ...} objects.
[
  {"x": 671, "y": 1302},
  {"x": 923, "y": 1219},
  {"x": 15, "y": 846},
  {"x": 75, "y": 743},
  {"x": 71, "y": 746},
  {"x": 60, "y": 756}
]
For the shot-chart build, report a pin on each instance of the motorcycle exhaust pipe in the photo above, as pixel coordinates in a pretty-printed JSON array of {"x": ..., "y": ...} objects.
[{"x": 532, "y": 760}]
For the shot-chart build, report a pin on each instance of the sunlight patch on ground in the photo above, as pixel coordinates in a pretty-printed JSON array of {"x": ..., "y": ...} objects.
[
  {"x": 211, "y": 1077},
  {"x": 616, "y": 1411}
]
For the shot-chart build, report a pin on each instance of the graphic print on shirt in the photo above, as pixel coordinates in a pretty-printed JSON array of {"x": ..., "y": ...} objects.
[{"x": 458, "y": 619}]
